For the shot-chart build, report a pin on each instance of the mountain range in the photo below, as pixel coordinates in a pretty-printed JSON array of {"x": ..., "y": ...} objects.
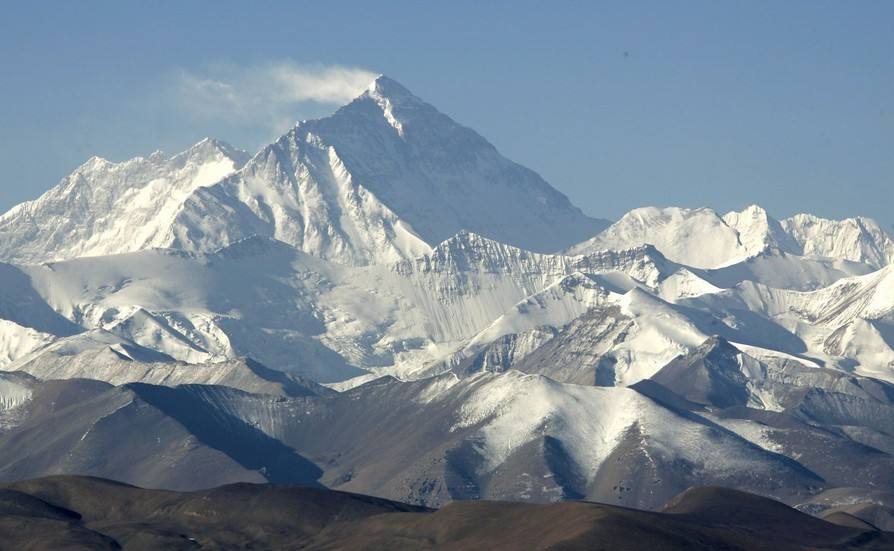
[
  {"x": 68, "y": 513},
  {"x": 380, "y": 302}
]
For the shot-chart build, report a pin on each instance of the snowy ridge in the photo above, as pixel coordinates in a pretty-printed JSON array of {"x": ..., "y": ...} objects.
[
  {"x": 845, "y": 325},
  {"x": 759, "y": 232},
  {"x": 696, "y": 237},
  {"x": 298, "y": 191},
  {"x": 17, "y": 341},
  {"x": 701, "y": 238},
  {"x": 107, "y": 208},
  {"x": 516, "y": 407},
  {"x": 857, "y": 239},
  {"x": 110, "y": 365},
  {"x": 555, "y": 306},
  {"x": 262, "y": 298}
]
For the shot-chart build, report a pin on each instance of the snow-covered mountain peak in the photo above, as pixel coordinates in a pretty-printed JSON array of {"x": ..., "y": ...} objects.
[
  {"x": 469, "y": 251},
  {"x": 645, "y": 263},
  {"x": 398, "y": 104},
  {"x": 394, "y": 91},
  {"x": 858, "y": 239},
  {"x": 391, "y": 92},
  {"x": 696, "y": 237},
  {"x": 383, "y": 179},
  {"x": 645, "y": 251},
  {"x": 210, "y": 149},
  {"x": 637, "y": 301},
  {"x": 105, "y": 207},
  {"x": 468, "y": 242},
  {"x": 701, "y": 238},
  {"x": 387, "y": 104},
  {"x": 93, "y": 163},
  {"x": 759, "y": 232},
  {"x": 205, "y": 151}
]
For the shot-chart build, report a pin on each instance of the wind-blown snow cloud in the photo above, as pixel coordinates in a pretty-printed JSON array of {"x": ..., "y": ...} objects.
[{"x": 267, "y": 95}]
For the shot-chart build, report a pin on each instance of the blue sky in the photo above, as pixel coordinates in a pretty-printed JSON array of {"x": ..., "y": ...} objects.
[{"x": 618, "y": 104}]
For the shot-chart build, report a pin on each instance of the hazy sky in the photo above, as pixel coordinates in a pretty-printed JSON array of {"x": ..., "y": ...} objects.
[{"x": 623, "y": 104}]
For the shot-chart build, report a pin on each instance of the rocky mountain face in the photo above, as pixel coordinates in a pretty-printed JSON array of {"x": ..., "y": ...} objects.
[{"x": 375, "y": 302}]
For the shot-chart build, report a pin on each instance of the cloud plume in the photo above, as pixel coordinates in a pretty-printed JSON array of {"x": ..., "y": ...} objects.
[{"x": 269, "y": 95}]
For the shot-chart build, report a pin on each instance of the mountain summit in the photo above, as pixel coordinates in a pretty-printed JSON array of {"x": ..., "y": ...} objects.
[
  {"x": 105, "y": 208},
  {"x": 702, "y": 238},
  {"x": 384, "y": 178}
]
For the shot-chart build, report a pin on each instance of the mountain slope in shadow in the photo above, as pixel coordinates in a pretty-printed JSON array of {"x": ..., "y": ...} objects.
[{"x": 72, "y": 512}]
